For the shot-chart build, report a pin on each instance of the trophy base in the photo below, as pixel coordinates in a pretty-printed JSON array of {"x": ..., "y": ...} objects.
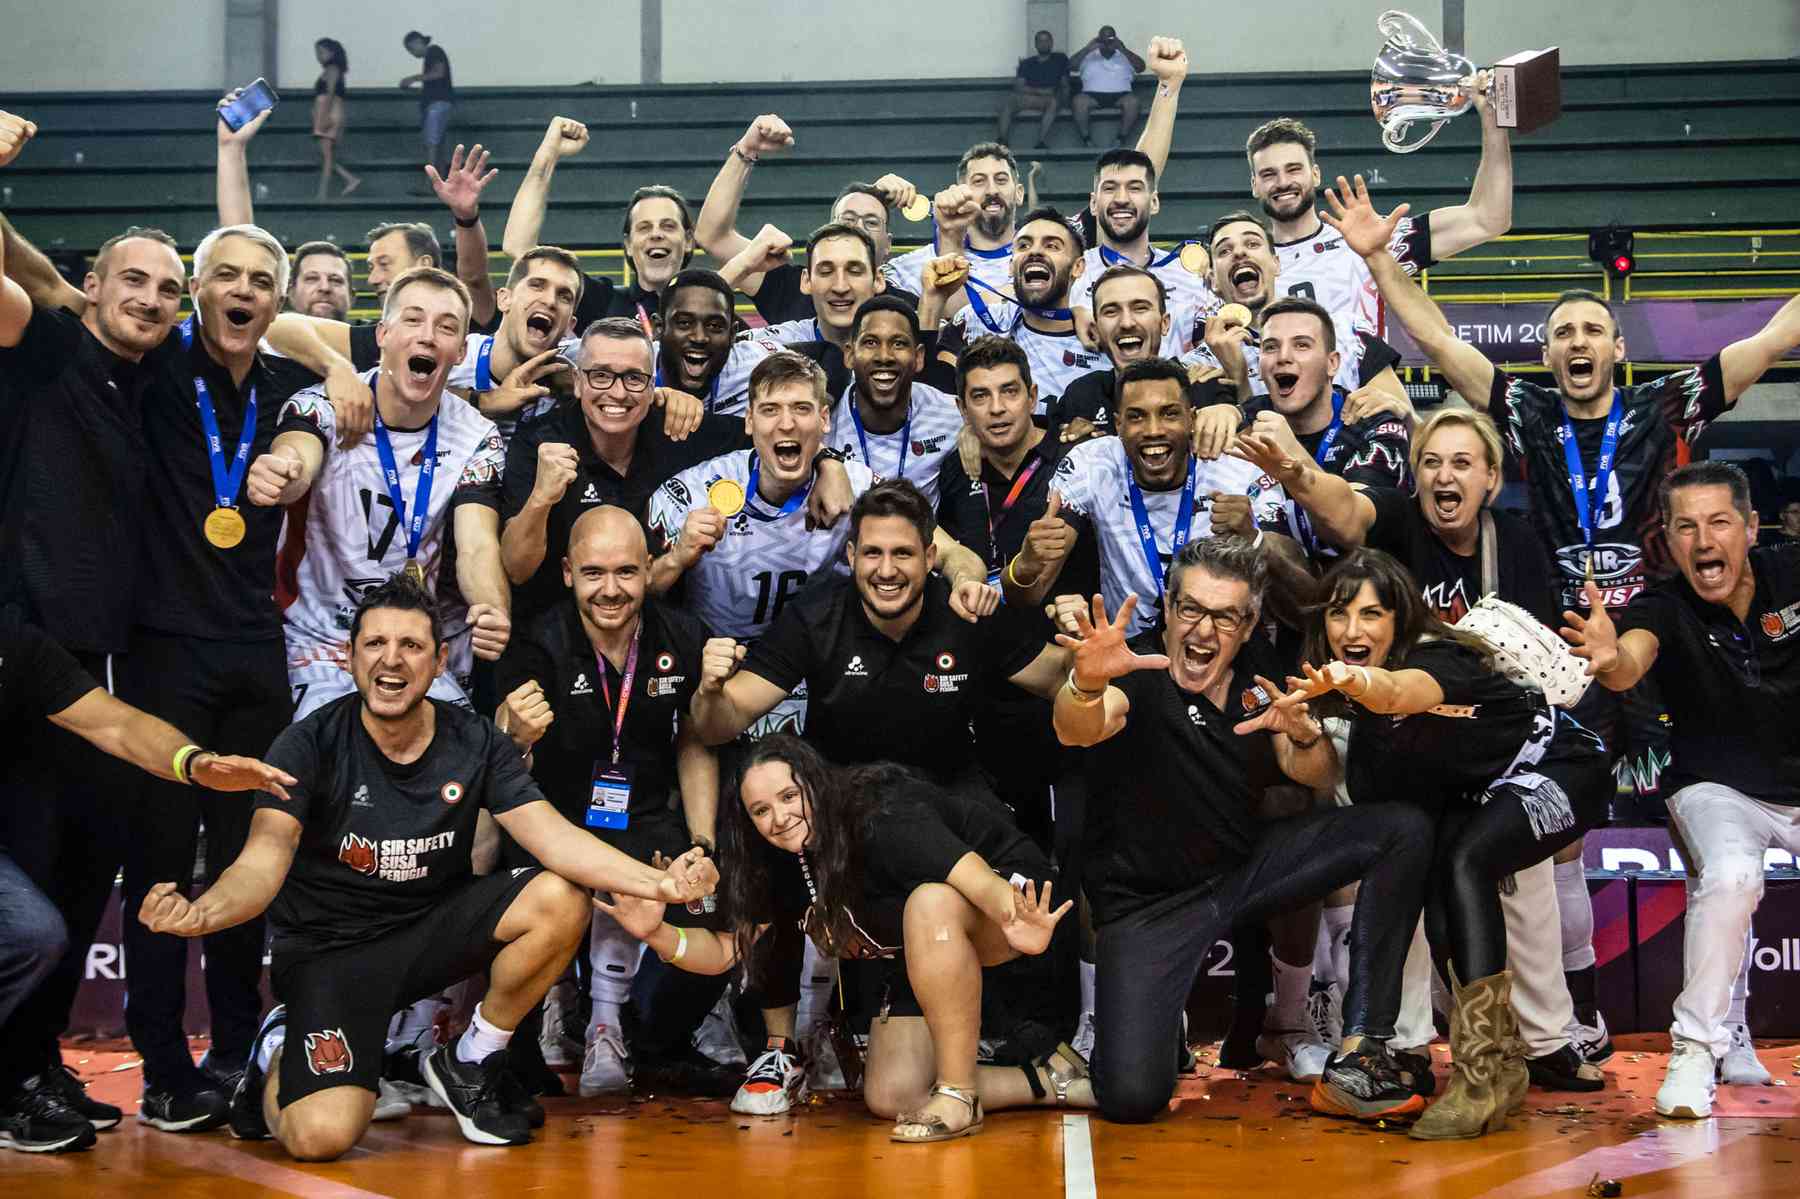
[{"x": 1526, "y": 90}]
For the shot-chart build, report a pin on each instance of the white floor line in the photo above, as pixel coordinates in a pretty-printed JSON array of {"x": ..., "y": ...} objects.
[{"x": 1078, "y": 1159}]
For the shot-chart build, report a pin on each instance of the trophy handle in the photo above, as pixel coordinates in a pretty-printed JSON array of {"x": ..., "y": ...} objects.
[
  {"x": 1392, "y": 135},
  {"x": 1405, "y": 30}
]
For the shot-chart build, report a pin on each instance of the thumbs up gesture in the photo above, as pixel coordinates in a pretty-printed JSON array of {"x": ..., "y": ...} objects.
[{"x": 1047, "y": 541}]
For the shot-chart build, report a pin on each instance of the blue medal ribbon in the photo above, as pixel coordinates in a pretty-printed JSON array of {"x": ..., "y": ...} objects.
[
  {"x": 863, "y": 438},
  {"x": 793, "y": 501},
  {"x": 226, "y": 479},
  {"x": 1112, "y": 257},
  {"x": 413, "y": 519},
  {"x": 1587, "y": 508},
  {"x": 980, "y": 308},
  {"x": 484, "y": 373},
  {"x": 1184, "y": 521},
  {"x": 1334, "y": 428}
]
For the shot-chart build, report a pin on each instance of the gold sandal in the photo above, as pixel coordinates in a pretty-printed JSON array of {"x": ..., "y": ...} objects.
[
  {"x": 1060, "y": 1080},
  {"x": 933, "y": 1124}
]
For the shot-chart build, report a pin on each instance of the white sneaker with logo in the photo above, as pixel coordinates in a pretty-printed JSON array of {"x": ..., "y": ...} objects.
[
  {"x": 606, "y": 1066},
  {"x": 1593, "y": 1042},
  {"x": 1084, "y": 1037},
  {"x": 390, "y": 1104},
  {"x": 1301, "y": 1055},
  {"x": 1687, "y": 1089},
  {"x": 1740, "y": 1066},
  {"x": 559, "y": 1049},
  {"x": 774, "y": 1083},
  {"x": 1325, "y": 1008}
]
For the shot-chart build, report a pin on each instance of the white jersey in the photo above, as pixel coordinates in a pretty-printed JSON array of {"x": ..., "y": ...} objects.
[
  {"x": 1188, "y": 297},
  {"x": 992, "y": 267},
  {"x": 729, "y": 394},
  {"x": 1322, "y": 268},
  {"x": 1057, "y": 359},
  {"x": 344, "y": 536},
  {"x": 1094, "y": 480},
  {"x": 473, "y": 375},
  {"x": 790, "y": 333},
  {"x": 916, "y": 450},
  {"x": 740, "y": 584}
]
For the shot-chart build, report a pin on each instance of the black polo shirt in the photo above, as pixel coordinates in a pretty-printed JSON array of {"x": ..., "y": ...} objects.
[
  {"x": 1452, "y": 582},
  {"x": 190, "y": 587},
  {"x": 1732, "y": 687},
  {"x": 72, "y": 520},
  {"x": 603, "y": 296},
  {"x": 38, "y": 677},
  {"x": 554, "y": 650},
  {"x": 873, "y": 699},
  {"x": 1180, "y": 788},
  {"x": 657, "y": 460}
]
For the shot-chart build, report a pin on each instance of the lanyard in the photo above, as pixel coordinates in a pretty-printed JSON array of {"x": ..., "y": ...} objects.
[
  {"x": 625, "y": 681},
  {"x": 905, "y": 433},
  {"x": 413, "y": 519},
  {"x": 793, "y": 501},
  {"x": 1012, "y": 497},
  {"x": 1112, "y": 257},
  {"x": 1184, "y": 521},
  {"x": 226, "y": 479},
  {"x": 484, "y": 374},
  {"x": 1334, "y": 428},
  {"x": 980, "y": 308},
  {"x": 1587, "y": 510}
]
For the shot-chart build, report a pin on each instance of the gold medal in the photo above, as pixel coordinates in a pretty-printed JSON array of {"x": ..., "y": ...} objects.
[
  {"x": 1233, "y": 314},
  {"x": 224, "y": 527},
  {"x": 415, "y": 572},
  {"x": 727, "y": 496},
  {"x": 1195, "y": 258},
  {"x": 918, "y": 210}
]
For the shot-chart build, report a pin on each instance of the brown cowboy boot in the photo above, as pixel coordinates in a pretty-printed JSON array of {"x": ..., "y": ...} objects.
[
  {"x": 1475, "y": 1101},
  {"x": 1515, "y": 1078}
]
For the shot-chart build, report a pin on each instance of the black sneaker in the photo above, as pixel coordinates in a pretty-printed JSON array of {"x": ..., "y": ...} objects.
[
  {"x": 220, "y": 1072},
  {"x": 246, "y": 1109},
  {"x": 473, "y": 1094},
  {"x": 184, "y": 1111},
  {"x": 69, "y": 1087},
  {"x": 514, "y": 1096},
  {"x": 37, "y": 1120},
  {"x": 1365, "y": 1084},
  {"x": 1415, "y": 1071},
  {"x": 1562, "y": 1071}
]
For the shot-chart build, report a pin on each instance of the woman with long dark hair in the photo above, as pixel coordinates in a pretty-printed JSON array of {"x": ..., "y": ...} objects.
[
  {"x": 877, "y": 862},
  {"x": 328, "y": 113},
  {"x": 1510, "y": 778}
]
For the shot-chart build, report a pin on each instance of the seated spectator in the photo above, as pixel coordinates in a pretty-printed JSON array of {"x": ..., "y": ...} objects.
[
  {"x": 1107, "y": 69},
  {"x": 1040, "y": 85}
]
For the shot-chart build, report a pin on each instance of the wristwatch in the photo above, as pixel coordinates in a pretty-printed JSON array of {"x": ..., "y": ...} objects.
[{"x": 827, "y": 454}]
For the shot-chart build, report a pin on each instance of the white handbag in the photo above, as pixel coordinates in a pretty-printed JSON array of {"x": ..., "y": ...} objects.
[{"x": 1524, "y": 650}]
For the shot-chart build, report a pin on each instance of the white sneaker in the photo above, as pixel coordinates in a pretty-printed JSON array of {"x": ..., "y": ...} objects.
[
  {"x": 717, "y": 1037},
  {"x": 606, "y": 1066},
  {"x": 390, "y": 1104},
  {"x": 1083, "y": 1042},
  {"x": 1687, "y": 1089},
  {"x": 823, "y": 1070},
  {"x": 1740, "y": 1067},
  {"x": 1325, "y": 1007},
  {"x": 1593, "y": 1042},
  {"x": 773, "y": 1084},
  {"x": 1300, "y": 1054},
  {"x": 560, "y": 1050}
]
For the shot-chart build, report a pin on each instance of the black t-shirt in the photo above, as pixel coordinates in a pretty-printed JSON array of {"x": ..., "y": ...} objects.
[
  {"x": 382, "y": 843},
  {"x": 1045, "y": 73},
  {"x": 1370, "y": 452},
  {"x": 1660, "y": 417},
  {"x": 915, "y": 834},
  {"x": 1732, "y": 687},
  {"x": 604, "y": 296},
  {"x": 657, "y": 460},
  {"x": 779, "y": 298},
  {"x": 1451, "y": 752},
  {"x": 37, "y": 676},
  {"x": 554, "y": 651},
  {"x": 1451, "y": 582},
  {"x": 1175, "y": 791},
  {"x": 72, "y": 521},
  {"x": 433, "y": 90},
  {"x": 190, "y": 587},
  {"x": 871, "y": 699}
]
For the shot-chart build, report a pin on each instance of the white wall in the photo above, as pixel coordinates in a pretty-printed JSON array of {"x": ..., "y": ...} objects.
[
  {"x": 1614, "y": 31},
  {"x": 706, "y": 41},
  {"x": 1287, "y": 35},
  {"x": 546, "y": 42},
  {"x": 103, "y": 45}
]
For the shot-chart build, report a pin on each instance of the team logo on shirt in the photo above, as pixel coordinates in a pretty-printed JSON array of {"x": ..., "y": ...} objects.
[
  {"x": 358, "y": 853},
  {"x": 582, "y": 686},
  {"x": 665, "y": 662},
  {"x": 1254, "y": 698},
  {"x": 1194, "y": 714},
  {"x": 677, "y": 491},
  {"x": 946, "y": 661},
  {"x": 451, "y": 792},
  {"x": 327, "y": 1052},
  {"x": 590, "y": 496},
  {"x": 1779, "y": 626},
  {"x": 854, "y": 668}
]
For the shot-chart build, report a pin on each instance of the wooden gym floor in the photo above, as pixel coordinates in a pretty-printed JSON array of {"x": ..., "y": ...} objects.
[{"x": 1230, "y": 1134}]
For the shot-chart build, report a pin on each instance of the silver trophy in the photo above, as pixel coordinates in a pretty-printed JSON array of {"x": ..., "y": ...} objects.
[{"x": 1416, "y": 79}]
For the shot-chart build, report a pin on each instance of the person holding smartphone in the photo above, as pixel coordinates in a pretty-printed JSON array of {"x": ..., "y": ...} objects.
[
  {"x": 436, "y": 95},
  {"x": 328, "y": 114}
]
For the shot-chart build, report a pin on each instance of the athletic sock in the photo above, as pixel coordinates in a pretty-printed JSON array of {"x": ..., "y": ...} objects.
[
  {"x": 1575, "y": 908},
  {"x": 481, "y": 1039},
  {"x": 1292, "y": 985},
  {"x": 614, "y": 954},
  {"x": 271, "y": 1045},
  {"x": 1336, "y": 924}
]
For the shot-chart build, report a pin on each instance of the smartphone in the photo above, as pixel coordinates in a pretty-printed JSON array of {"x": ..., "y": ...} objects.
[{"x": 255, "y": 99}]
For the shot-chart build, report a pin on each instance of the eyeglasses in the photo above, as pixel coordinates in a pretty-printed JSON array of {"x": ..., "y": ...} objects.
[
  {"x": 1225, "y": 620},
  {"x": 600, "y": 379},
  {"x": 869, "y": 222}
]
